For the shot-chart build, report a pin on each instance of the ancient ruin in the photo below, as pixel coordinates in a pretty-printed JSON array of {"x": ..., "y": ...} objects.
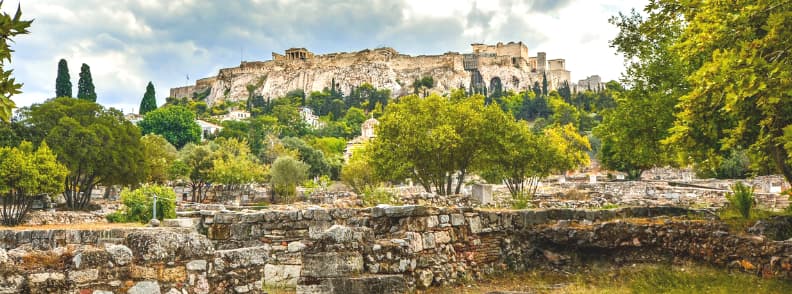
[{"x": 507, "y": 66}]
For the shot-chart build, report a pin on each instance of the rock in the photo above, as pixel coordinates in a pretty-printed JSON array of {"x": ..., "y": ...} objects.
[
  {"x": 428, "y": 240},
  {"x": 120, "y": 254},
  {"x": 415, "y": 241},
  {"x": 196, "y": 265},
  {"x": 91, "y": 257},
  {"x": 154, "y": 222},
  {"x": 178, "y": 223},
  {"x": 332, "y": 264},
  {"x": 145, "y": 287},
  {"x": 101, "y": 292},
  {"x": 80, "y": 277},
  {"x": 339, "y": 234},
  {"x": 399, "y": 211},
  {"x": 162, "y": 245},
  {"x": 3, "y": 256},
  {"x": 281, "y": 275},
  {"x": 425, "y": 278},
  {"x": 296, "y": 246},
  {"x": 380, "y": 284},
  {"x": 457, "y": 219},
  {"x": 442, "y": 237}
]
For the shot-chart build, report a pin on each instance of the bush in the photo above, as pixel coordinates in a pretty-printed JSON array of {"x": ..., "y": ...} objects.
[
  {"x": 138, "y": 204},
  {"x": 373, "y": 197},
  {"x": 741, "y": 199},
  {"x": 521, "y": 201}
]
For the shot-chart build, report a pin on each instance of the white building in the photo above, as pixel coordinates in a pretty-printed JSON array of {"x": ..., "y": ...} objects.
[
  {"x": 309, "y": 118},
  {"x": 207, "y": 128},
  {"x": 235, "y": 115},
  {"x": 134, "y": 118}
]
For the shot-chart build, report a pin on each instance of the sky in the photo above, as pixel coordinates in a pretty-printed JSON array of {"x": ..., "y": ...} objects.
[{"x": 128, "y": 43}]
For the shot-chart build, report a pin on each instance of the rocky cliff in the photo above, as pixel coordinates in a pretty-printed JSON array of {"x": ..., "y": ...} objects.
[{"x": 383, "y": 68}]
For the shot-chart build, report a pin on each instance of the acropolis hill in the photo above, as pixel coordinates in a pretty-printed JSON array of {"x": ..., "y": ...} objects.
[{"x": 507, "y": 64}]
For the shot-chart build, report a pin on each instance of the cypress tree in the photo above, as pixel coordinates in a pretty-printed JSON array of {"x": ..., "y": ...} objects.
[
  {"x": 63, "y": 86},
  {"x": 544, "y": 83},
  {"x": 149, "y": 101},
  {"x": 85, "y": 86}
]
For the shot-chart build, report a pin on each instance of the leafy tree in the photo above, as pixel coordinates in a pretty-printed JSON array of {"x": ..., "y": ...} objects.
[
  {"x": 286, "y": 173},
  {"x": 10, "y": 27},
  {"x": 25, "y": 174},
  {"x": 199, "y": 162},
  {"x": 536, "y": 89},
  {"x": 63, "y": 85},
  {"x": 573, "y": 148},
  {"x": 85, "y": 86},
  {"x": 425, "y": 83},
  {"x": 329, "y": 145},
  {"x": 159, "y": 155},
  {"x": 175, "y": 123},
  {"x": 138, "y": 204},
  {"x": 739, "y": 86},
  {"x": 314, "y": 158},
  {"x": 234, "y": 165},
  {"x": 149, "y": 101},
  {"x": 97, "y": 145},
  {"x": 358, "y": 174}
]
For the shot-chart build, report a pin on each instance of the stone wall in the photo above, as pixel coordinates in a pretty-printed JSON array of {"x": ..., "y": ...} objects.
[{"x": 386, "y": 249}]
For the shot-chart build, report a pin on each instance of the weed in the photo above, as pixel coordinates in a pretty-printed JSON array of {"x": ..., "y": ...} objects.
[{"x": 742, "y": 199}]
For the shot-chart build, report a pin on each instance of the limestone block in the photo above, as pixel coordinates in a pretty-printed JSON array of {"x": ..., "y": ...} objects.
[
  {"x": 43, "y": 277},
  {"x": 84, "y": 276},
  {"x": 91, "y": 258},
  {"x": 142, "y": 272},
  {"x": 444, "y": 218},
  {"x": 145, "y": 287},
  {"x": 425, "y": 278},
  {"x": 166, "y": 245},
  {"x": 380, "y": 284},
  {"x": 296, "y": 246},
  {"x": 196, "y": 265},
  {"x": 281, "y": 275},
  {"x": 399, "y": 211},
  {"x": 457, "y": 219},
  {"x": 119, "y": 254},
  {"x": 475, "y": 224},
  {"x": 178, "y": 223},
  {"x": 442, "y": 237},
  {"x": 482, "y": 193},
  {"x": 173, "y": 274},
  {"x": 332, "y": 264},
  {"x": 414, "y": 241},
  {"x": 428, "y": 240},
  {"x": 432, "y": 221}
]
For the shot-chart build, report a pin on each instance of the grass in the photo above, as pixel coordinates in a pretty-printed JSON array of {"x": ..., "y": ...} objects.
[
  {"x": 738, "y": 224},
  {"x": 636, "y": 279}
]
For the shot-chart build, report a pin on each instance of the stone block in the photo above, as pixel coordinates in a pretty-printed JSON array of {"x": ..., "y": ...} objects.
[
  {"x": 173, "y": 274},
  {"x": 399, "y": 211},
  {"x": 432, "y": 221},
  {"x": 381, "y": 284},
  {"x": 475, "y": 224},
  {"x": 196, "y": 265},
  {"x": 296, "y": 246},
  {"x": 414, "y": 241},
  {"x": 457, "y": 219},
  {"x": 444, "y": 218},
  {"x": 442, "y": 237},
  {"x": 281, "y": 275},
  {"x": 145, "y": 287},
  {"x": 119, "y": 254},
  {"x": 428, "y": 240},
  {"x": 178, "y": 223},
  {"x": 482, "y": 193},
  {"x": 332, "y": 264},
  {"x": 84, "y": 276},
  {"x": 142, "y": 272},
  {"x": 91, "y": 258}
]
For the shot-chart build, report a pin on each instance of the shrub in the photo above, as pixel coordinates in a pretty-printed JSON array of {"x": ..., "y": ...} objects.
[
  {"x": 286, "y": 173},
  {"x": 741, "y": 199},
  {"x": 521, "y": 201},
  {"x": 375, "y": 196},
  {"x": 138, "y": 204}
]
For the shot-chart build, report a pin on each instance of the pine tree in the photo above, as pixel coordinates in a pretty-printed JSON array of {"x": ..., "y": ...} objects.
[
  {"x": 63, "y": 86},
  {"x": 85, "y": 86},
  {"x": 149, "y": 101}
]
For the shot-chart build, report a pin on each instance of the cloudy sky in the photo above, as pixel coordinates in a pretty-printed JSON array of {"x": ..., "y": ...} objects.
[{"x": 128, "y": 43}]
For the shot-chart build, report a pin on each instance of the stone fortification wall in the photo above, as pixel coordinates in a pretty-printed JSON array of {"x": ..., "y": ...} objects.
[{"x": 377, "y": 250}]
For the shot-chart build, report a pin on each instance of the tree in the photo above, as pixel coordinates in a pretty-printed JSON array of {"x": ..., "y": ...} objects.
[
  {"x": 234, "y": 165},
  {"x": 159, "y": 155},
  {"x": 63, "y": 85},
  {"x": 199, "y": 161},
  {"x": 358, "y": 174},
  {"x": 138, "y": 204},
  {"x": 10, "y": 27},
  {"x": 175, "y": 123},
  {"x": 25, "y": 174},
  {"x": 572, "y": 147},
  {"x": 314, "y": 158},
  {"x": 544, "y": 83},
  {"x": 85, "y": 86},
  {"x": 149, "y": 101},
  {"x": 286, "y": 173},
  {"x": 97, "y": 145}
]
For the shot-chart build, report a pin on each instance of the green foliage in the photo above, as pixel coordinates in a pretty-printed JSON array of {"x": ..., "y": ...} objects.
[
  {"x": 357, "y": 173},
  {"x": 175, "y": 123},
  {"x": 329, "y": 145},
  {"x": 10, "y": 26},
  {"x": 375, "y": 196},
  {"x": 196, "y": 163},
  {"x": 25, "y": 174},
  {"x": 310, "y": 156},
  {"x": 286, "y": 173},
  {"x": 149, "y": 101},
  {"x": 63, "y": 85},
  {"x": 97, "y": 145},
  {"x": 235, "y": 166},
  {"x": 85, "y": 86},
  {"x": 432, "y": 139},
  {"x": 741, "y": 199},
  {"x": 138, "y": 204},
  {"x": 159, "y": 156},
  {"x": 521, "y": 201}
]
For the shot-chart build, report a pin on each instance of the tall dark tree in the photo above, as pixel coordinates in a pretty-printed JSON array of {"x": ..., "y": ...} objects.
[
  {"x": 544, "y": 83},
  {"x": 149, "y": 101},
  {"x": 63, "y": 85},
  {"x": 85, "y": 86},
  {"x": 537, "y": 91}
]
